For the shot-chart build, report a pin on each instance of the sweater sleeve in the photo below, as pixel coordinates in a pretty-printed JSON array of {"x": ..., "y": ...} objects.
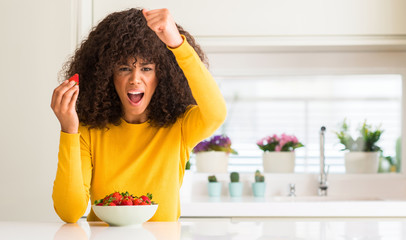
[
  {"x": 72, "y": 182},
  {"x": 203, "y": 120}
]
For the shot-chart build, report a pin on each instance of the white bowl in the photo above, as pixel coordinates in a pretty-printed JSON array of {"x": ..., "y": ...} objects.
[{"x": 125, "y": 215}]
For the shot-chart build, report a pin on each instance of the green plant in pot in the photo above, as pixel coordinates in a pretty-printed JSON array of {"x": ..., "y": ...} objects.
[
  {"x": 235, "y": 186},
  {"x": 258, "y": 187},
  {"x": 214, "y": 187},
  {"x": 187, "y": 167},
  {"x": 398, "y": 154},
  {"x": 363, "y": 153},
  {"x": 394, "y": 162}
]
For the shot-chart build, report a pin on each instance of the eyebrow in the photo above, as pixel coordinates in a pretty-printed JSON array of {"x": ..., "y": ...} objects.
[
  {"x": 129, "y": 63},
  {"x": 145, "y": 63}
]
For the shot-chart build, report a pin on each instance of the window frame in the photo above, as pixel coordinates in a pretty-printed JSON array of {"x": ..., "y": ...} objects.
[
  {"x": 305, "y": 100},
  {"x": 351, "y": 62}
]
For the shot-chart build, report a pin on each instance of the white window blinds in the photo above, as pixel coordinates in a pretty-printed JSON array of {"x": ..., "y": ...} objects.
[{"x": 300, "y": 105}]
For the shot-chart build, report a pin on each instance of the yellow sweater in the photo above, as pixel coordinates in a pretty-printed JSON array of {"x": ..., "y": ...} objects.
[{"x": 138, "y": 158}]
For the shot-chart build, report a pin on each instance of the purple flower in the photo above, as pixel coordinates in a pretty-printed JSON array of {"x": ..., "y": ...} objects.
[
  {"x": 203, "y": 146},
  {"x": 221, "y": 141},
  {"x": 216, "y": 143}
]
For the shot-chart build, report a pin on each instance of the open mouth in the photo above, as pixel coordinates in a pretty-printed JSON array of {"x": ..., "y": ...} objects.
[{"x": 135, "y": 97}]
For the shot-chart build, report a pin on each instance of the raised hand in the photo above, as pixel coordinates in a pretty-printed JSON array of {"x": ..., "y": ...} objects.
[
  {"x": 162, "y": 23},
  {"x": 63, "y": 104}
]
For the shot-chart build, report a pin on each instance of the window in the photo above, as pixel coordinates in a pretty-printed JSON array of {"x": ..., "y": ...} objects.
[{"x": 300, "y": 105}]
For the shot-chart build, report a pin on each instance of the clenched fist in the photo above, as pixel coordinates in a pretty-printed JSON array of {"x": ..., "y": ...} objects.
[{"x": 162, "y": 23}]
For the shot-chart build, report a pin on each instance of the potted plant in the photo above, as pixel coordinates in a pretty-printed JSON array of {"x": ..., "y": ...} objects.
[
  {"x": 235, "y": 186},
  {"x": 362, "y": 154},
  {"x": 212, "y": 155},
  {"x": 279, "y": 153},
  {"x": 214, "y": 187},
  {"x": 258, "y": 187}
]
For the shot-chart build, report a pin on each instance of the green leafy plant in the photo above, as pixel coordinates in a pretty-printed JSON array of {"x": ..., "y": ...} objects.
[
  {"x": 259, "y": 177},
  {"x": 365, "y": 142},
  {"x": 234, "y": 177},
  {"x": 187, "y": 167},
  {"x": 212, "y": 178},
  {"x": 398, "y": 153}
]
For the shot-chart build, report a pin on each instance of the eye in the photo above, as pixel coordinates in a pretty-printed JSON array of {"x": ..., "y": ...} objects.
[
  {"x": 146, "y": 69},
  {"x": 124, "y": 69}
]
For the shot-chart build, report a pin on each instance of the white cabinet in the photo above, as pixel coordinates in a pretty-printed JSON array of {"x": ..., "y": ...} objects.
[
  {"x": 258, "y": 25},
  {"x": 275, "y": 17}
]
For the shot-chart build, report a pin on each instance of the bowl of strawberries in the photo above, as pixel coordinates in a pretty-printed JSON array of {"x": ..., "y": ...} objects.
[{"x": 125, "y": 209}]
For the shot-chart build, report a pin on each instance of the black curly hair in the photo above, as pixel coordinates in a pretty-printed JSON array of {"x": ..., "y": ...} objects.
[{"x": 116, "y": 38}]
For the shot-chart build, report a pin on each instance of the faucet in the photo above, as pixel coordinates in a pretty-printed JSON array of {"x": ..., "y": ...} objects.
[
  {"x": 292, "y": 190},
  {"x": 323, "y": 174}
]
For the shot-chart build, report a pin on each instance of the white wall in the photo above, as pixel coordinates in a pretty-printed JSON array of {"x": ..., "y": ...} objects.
[{"x": 35, "y": 41}]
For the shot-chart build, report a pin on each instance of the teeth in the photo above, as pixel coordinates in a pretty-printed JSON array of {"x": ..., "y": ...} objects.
[{"x": 134, "y": 93}]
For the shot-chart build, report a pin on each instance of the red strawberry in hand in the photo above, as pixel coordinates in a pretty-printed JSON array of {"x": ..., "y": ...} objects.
[{"x": 75, "y": 78}]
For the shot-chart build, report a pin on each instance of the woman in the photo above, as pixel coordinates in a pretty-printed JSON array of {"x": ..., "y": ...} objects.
[{"x": 146, "y": 99}]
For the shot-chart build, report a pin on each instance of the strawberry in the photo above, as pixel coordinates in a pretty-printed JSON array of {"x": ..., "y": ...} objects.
[
  {"x": 75, "y": 78},
  {"x": 106, "y": 199},
  {"x": 127, "y": 195},
  {"x": 127, "y": 201},
  {"x": 146, "y": 199},
  {"x": 117, "y": 198},
  {"x": 124, "y": 198},
  {"x": 137, "y": 201}
]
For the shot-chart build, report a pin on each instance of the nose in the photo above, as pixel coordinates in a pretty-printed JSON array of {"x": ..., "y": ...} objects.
[{"x": 135, "y": 78}]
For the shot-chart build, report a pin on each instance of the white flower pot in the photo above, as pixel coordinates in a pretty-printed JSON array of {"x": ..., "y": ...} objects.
[
  {"x": 361, "y": 162},
  {"x": 278, "y": 162},
  {"x": 212, "y": 162},
  {"x": 186, "y": 188}
]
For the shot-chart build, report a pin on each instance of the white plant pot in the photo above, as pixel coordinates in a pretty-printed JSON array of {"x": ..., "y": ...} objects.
[
  {"x": 361, "y": 162},
  {"x": 278, "y": 162},
  {"x": 212, "y": 162},
  {"x": 186, "y": 188}
]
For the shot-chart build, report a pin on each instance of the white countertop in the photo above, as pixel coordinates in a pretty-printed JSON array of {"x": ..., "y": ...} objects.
[
  {"x": 188, "y": 229},
  {"x": 349, "y": 195}
]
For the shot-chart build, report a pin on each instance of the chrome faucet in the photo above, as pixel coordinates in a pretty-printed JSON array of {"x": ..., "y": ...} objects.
[
  {"x": 323, "y": 174},
  {"x": 292, "y": 190}
]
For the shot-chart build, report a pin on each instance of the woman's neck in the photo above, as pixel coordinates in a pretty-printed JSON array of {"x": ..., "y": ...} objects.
[{"x": 138, "y": 119}]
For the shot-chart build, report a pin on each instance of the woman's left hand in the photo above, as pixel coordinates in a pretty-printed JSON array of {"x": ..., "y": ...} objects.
[{"x": 162, "y": 23}]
